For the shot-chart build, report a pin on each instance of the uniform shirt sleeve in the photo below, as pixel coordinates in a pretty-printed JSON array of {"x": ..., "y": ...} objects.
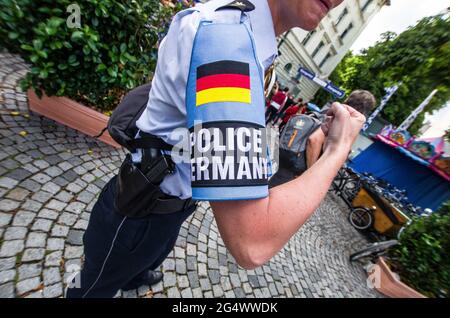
[{"x": 165, "y": 114}]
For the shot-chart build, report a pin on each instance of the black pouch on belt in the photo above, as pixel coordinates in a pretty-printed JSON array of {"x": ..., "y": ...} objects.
[{"x": 137, "y": 191}]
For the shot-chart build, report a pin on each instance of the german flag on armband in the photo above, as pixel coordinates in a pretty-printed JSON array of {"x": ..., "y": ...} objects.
[{"x": 223, "y": 81}]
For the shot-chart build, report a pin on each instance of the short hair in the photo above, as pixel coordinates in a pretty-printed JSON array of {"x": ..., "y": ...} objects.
[
  {"x": 361, "y": 100},
  {"x": 286, "y": 89}
]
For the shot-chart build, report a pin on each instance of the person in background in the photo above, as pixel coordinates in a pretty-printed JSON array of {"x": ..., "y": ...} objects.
[
  {"x": 277, "y": 102},
  {"x": 280, "y": 114},
  {"x": 361, "y": 100},
  {"x": 295, "y": 109}
]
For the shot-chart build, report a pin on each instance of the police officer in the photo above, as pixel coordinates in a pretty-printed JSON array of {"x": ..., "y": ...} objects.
[{"x": 209, "y": 79}]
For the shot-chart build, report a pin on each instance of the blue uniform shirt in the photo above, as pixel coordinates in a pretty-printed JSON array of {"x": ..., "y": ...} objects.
[{"x": 166, "y": 108}]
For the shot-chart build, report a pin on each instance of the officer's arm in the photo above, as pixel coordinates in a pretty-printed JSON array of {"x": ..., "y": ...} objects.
[
  {"x": 255, "y": 230},
  {"x": 314, "y": 147}
]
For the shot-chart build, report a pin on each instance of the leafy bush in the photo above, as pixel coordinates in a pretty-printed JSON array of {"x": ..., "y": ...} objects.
[
  {"x": 113, "y": 50},
  {"x": 423, "y": 257}
]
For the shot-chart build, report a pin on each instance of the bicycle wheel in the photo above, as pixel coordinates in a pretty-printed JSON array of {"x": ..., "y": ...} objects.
[
  {"x": 360, "y": 218},
  {"x": 374, "y": 249}
]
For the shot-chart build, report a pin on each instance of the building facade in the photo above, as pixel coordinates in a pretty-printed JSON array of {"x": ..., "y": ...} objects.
[{"x": 321, "y": 50}]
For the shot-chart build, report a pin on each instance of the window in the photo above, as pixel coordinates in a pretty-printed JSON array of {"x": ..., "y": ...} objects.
[
  {"x": 318, "y": 48},
  {"x": 366, "y": 4},
  {"x": 308, "y": 37},
  {"x": 350, "y": 26},
  {"x": 288, "y": 67},
  {"x": 325, "y": 59},
  {"x": 341, "y": 16}
]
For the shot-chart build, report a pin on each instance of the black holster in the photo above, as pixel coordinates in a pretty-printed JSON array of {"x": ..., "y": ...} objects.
[{"x": 138, "y": 193}]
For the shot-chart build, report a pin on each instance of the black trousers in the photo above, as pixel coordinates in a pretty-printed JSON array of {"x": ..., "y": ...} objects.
[
  {"x": 271, "y": 113},
  {"x": 119, "y": 251}
]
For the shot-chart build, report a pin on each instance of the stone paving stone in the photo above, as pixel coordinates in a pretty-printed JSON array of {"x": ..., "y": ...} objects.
[
  {"x": 202, "y": 272},
  {"x": 173, "y": 292},
  {"x": 193, "y": 279},
  {"x": 54, "y": 244},
  {"x": 27, "y": 285},
  {"x": 73, "y": 252},
  {"x": 31, "y": 205},
  {"x": 5, "y": 219},
  {"x": 81, "y": 225},
  {"x": 7, "y": 290},
  {"x": 8, "y": 183},
  {"x": 42, "y": 196},
  {"x": 11, "y": 248},
  {"x": 75, "y": 237},
  {"x": 7, "y": 276},
  {"x": 7, "y": 263},
  {"x": 47, "y": 214},
  {"x": 205, "y": 284},
  {"x": 183, "y": 281},
  {"x": 18, "y": 194},
  {"x": 29, "y": 271},
  {"x": 51, "y": 187},
  {"x": 7, "y": 205},
  {"x": 15, "y": 233},
  {"x": 67, "y": 219},
  {"x": 33, "y": 254},
  {"x": 180, "y": 266},
  {"x": 53, "y": 171},
  {"x": 53, "y": 291},
  {"x": 18, "y": 174},
  {"x": 41, "y": 178},
  {"x": 186, "y": 293},
  {"x": 60, "y": 230},
  {"x": 36, "y": 239},
  {"x": 30, "y": 185},
  {"x": 75, "y": 207},
  {"x": 197, "y": 292},
  {"x": 56, "y": 205},
  {"x": 41, "y": 164},
  {"x": 73, "y": 188},
  {"x": 53, "y": 259},
  {"x": 51, "y": 276},
  {"x": 169, "y": 279},
  {"x": 42, "y": 225},
  {"x": 85, "y": 197},
  {"x": 64, "y": 196}
]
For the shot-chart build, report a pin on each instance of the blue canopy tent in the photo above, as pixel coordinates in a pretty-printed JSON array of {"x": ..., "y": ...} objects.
[{"x": 425, "y": 188}]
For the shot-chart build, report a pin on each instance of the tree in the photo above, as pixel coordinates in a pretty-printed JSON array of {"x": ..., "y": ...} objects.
[{"x": 418, "y": 58}]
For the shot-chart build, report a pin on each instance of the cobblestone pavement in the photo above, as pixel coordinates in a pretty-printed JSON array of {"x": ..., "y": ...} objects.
[{"x": 50, "y": 176}]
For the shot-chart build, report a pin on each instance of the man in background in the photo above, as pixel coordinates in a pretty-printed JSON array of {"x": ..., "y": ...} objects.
[{"x": 361, "y": 100}]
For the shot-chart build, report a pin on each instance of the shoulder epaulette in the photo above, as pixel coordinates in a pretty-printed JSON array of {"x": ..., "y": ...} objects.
[{"x": 243, "y": 5}]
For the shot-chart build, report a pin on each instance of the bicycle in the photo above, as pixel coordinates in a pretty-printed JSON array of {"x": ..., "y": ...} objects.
[{"x": 377, "y": 249}]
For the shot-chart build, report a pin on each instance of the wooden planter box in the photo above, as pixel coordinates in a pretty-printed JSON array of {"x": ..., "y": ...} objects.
[
  {"x": 72, "y": 114},
  {"x": 390, "y": 285}
]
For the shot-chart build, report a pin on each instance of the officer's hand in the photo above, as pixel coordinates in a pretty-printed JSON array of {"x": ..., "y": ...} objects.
[{"x": 341, "y": 127}]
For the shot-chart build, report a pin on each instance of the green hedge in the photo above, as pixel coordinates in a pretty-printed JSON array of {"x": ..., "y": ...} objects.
[
  {"x": 112, "y": 52},
  {"x": 423, "y": 257}
]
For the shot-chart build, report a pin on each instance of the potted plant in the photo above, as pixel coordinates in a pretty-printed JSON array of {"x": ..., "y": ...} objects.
[
  {"x": 84, "y": 57},
  {"x": 421, "y": 260}
]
